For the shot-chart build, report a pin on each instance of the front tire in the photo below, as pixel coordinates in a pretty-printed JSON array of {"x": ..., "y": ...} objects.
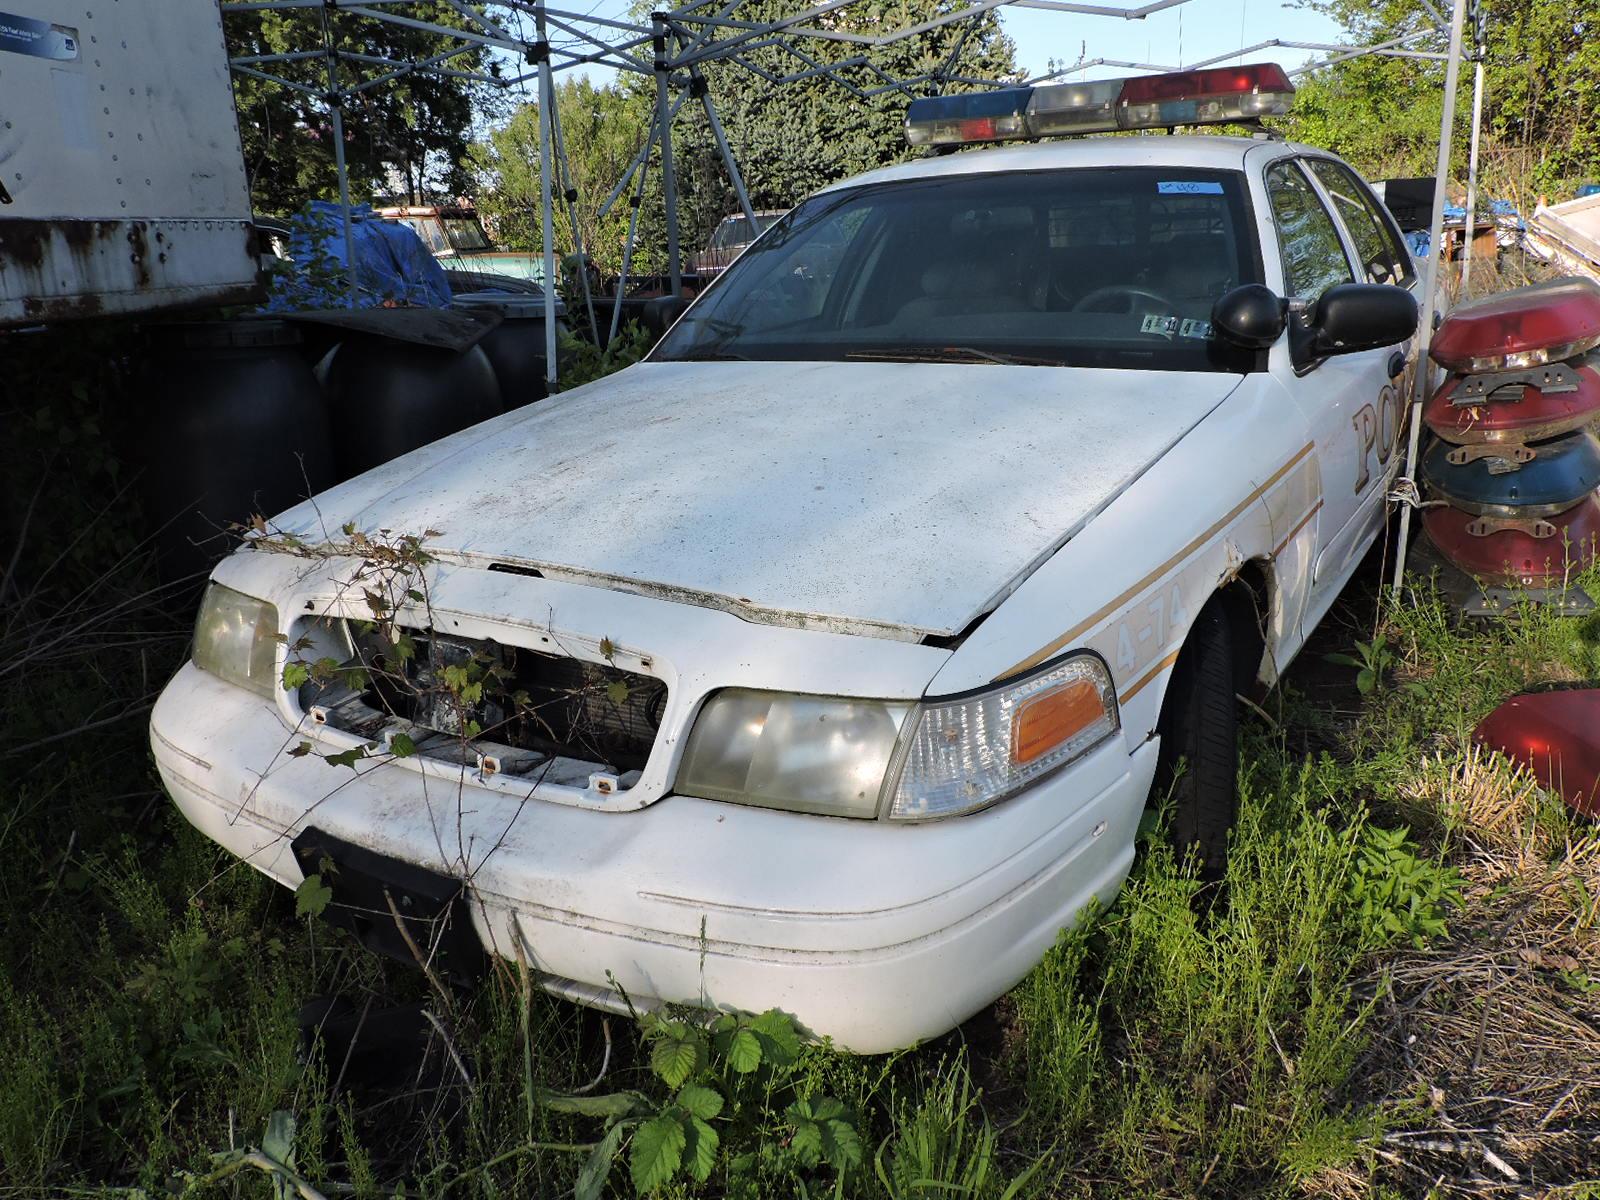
[{"x": 1198, "y": 766}]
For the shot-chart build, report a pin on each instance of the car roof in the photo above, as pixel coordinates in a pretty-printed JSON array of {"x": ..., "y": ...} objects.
[{"x": 1145, "y": 150}]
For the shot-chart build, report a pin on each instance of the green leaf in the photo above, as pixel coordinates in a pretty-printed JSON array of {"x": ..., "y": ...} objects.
[
  {"x": 823, "y": 1132},
  {"x": 617, "y": 692},
  {"x": 701, "y": 1102},
  {"x": 597, "y": 1167},
  {"x": 295, "y": 675},
  {"x": 780, "y": 1042},
  {"x": 300, "y": 751},
  {"x": 656, "y": 1153},
  {"x": 744, "y": 1051},
  {"x": 346, "y": 758},
  {"x": 702, "y": 1149},
  {"x": 312, "y": 896},
  {"x": 613, "y": 1104},
  {"x": 278, "y": 1142},
  {"x": 807, "y": 1143},
  {"x": 675, "y": 1058},
  {"x": 402, "y": 746}
]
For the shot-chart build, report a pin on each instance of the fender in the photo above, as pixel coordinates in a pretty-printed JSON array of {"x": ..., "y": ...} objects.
[{"x": 1130, "y": 584}]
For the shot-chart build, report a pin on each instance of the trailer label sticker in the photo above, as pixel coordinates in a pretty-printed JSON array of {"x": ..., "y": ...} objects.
[
  {"x": 1189, "y": 187},
  {"x": 37, "y": 39}
]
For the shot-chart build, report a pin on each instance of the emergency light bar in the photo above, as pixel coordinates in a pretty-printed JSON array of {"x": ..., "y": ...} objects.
[
  {"x": 1210, "y": 97},
  {"x": 1527, "y": 327}
]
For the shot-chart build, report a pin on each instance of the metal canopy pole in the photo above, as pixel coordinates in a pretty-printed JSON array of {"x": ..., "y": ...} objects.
[
  {"x": 336, "y": 110},
  {"x": 1422, "y": 377},
  {"x": 634, "y": 201},
  {"x": 669, "y": 183},
  {"x": 541, "y": 55},
  {"x": 1472, "y": 162},
  {"x": 699, "y": 87},
  {"x": 569, "y": 192}
]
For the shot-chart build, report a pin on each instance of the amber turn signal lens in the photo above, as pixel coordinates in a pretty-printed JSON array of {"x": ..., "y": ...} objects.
[{"x": 1044, "y": 721}]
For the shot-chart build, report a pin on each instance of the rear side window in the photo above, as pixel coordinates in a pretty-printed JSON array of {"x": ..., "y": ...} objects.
[
  {"x": 1382, "y": 256},
  {"x": 1313, "y": 255}
]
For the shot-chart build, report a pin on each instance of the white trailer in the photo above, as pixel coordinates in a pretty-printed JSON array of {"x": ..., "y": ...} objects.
[{"x": 122, "y": 181}]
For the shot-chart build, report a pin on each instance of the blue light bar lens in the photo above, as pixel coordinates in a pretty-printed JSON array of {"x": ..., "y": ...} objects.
[
  {"x": 968, "y": 117},
  {"x": 1005, "y": 102}
]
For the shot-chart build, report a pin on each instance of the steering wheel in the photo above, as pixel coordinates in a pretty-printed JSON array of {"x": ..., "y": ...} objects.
[{"x": 1128, "y": 295}]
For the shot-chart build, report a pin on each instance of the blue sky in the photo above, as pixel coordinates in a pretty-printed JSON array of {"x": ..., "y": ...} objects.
[
  {"x": 1185, "y": 34},
  {"x": 1190, "y": 32}
]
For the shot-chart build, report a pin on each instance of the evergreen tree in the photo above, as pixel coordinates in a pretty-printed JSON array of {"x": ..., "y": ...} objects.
[{"x": 788, "y": 140}]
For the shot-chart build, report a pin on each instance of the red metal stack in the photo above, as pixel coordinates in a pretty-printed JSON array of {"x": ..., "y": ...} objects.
[{"x": 1517, "y": 464}]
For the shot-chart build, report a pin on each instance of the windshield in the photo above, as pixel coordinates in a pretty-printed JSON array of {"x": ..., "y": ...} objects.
[
  {"x": 465, "y": 233},
  {"x": 1085, "y": 267},
  {"x": 735, "y": 231}
]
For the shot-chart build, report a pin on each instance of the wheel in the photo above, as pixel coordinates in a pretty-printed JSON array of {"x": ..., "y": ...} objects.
[{"x": 1198, "y": 767}]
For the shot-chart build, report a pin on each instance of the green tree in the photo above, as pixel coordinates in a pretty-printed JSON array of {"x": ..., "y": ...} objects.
[
  {"x": 793, "y": 138},
  {"x": 1541, "y": 98},
  {"x": 788, "y": 140},
  {"x": 601, "y": 130},
  {"x": 410, "y": 133}
]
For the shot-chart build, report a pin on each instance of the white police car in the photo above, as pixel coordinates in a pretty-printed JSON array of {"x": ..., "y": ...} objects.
[{"x": 834, "y": 651}]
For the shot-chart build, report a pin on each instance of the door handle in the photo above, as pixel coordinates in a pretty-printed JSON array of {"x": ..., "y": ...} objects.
[{"x": 1397, "y": 365}]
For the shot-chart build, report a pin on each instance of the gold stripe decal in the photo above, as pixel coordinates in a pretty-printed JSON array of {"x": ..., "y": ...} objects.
[
  {"x": 1084, "y": 626},
  {"x": 1301, "y": 524},
  {"x": 1147, "y": 677}
]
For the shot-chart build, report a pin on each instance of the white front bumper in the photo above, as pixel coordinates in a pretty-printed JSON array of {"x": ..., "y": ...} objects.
[{"x": 876, "y": 934}]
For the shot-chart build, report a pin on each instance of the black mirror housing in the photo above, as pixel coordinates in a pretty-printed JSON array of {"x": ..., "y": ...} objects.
[
  {"x": 659, "y": 313},
  {"x": 1352, "y": 317},
  {"x": 1251, "y": 316}
]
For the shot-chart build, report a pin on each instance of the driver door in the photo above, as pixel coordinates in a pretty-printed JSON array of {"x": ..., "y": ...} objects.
[{"x": 1351, "y": 403}]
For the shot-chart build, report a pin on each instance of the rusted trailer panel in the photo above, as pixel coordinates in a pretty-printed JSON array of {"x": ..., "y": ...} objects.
[{"x": 122, "y": 181}]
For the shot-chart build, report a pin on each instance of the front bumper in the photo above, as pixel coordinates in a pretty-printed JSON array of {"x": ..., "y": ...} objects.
[{"x": 875, "y": 934}]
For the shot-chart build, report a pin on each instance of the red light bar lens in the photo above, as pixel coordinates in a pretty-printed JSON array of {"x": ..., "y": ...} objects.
[
  {"x": 1195, "y": 85},
  {"x": 1218, "y": 95},
  {"x": 1556, "y": 735},
  {"x": 1547, "y": 322}
]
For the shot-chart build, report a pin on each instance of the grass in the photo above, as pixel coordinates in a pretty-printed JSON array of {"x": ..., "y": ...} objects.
[{"x": 1398, "y": 989}]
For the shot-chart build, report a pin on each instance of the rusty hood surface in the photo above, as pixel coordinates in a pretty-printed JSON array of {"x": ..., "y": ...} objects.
[{"x": 892, "y": 499}]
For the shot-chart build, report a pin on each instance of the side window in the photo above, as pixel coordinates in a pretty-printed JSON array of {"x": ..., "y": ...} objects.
[
  {"x": 1382, "y": 256},
  {"x": 1313, "y": 256}
]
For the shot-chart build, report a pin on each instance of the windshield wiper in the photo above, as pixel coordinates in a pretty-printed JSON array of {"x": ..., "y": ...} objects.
[
  {"x": 951, "y": 354},
  {"x": 709, "y": 355}
]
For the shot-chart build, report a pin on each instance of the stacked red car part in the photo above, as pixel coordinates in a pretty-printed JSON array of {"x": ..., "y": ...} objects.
[{"x": 1516, "y": 462}]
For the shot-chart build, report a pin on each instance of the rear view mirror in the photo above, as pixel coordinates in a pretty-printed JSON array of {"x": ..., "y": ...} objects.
[
  {"x": 1353, "y": 317},
  {"x": 1251, "y": 316}
]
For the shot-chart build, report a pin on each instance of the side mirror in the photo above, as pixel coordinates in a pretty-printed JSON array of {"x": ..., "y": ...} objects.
[
  {"x": 1353, "y": 317},
  {"x": 661, "y": 312},
  {"x": 1251, "y": 316}
]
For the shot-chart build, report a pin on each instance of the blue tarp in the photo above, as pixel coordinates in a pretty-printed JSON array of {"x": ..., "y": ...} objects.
[
  {"x": 1496, "y": 209},
  {"x": 392, "y": 264}
]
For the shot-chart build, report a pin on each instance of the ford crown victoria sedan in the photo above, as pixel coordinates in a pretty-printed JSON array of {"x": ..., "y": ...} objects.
[{"x": 827, "y": 659}]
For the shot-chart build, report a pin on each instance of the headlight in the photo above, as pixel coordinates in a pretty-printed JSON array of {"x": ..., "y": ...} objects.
[
  {"x": 966, "y": 753},
  {"x": 236, "y": 638},
  {"x": 816, "y": 754},
  {"x": 864, "y": 758}
]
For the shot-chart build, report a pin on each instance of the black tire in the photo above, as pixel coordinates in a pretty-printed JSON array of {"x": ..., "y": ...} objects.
[{"x": 1198, "y": 768}]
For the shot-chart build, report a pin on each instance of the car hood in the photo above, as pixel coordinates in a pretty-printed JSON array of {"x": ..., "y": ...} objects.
[{"x": 896, "y": 499}]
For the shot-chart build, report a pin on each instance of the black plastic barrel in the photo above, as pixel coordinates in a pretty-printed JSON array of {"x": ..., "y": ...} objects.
[
  {"x": 237, "y": 427},
  {"x": 516, "y": 346},
  {"x": 386, "y": 397}
]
